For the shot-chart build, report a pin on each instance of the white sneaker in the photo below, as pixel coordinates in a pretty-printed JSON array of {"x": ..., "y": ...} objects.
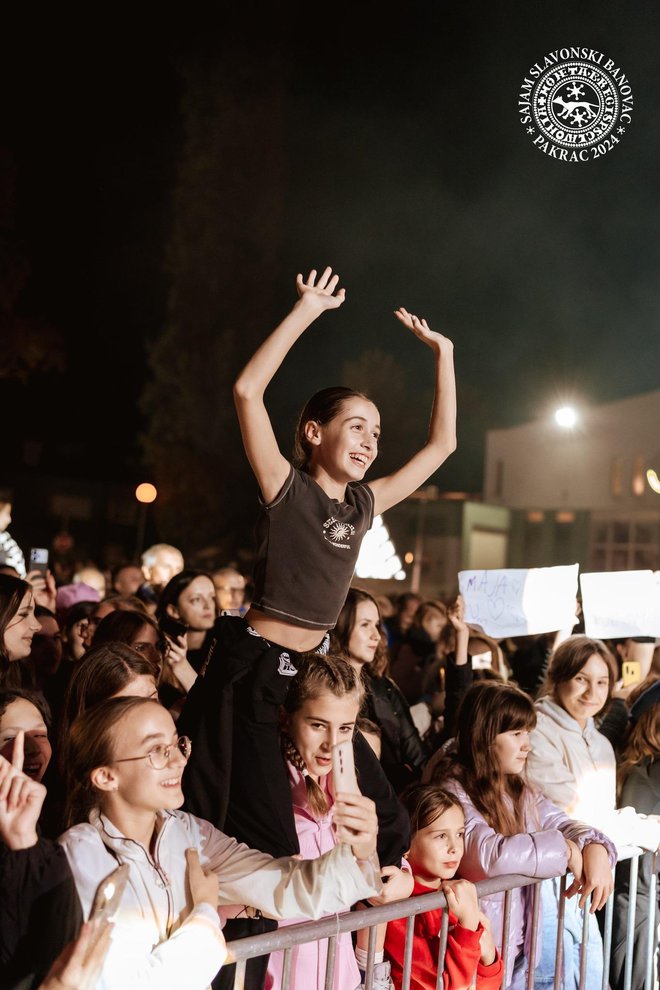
[{"x": 382, "y": 979}]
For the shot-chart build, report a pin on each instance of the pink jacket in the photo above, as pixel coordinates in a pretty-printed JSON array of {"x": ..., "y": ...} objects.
[
  {"x": 539, "y": 852},
  {"x": 308, "y": 961}
]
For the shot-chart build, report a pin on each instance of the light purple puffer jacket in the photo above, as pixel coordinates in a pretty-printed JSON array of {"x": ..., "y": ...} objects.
[{"x": 540, "y": 852}]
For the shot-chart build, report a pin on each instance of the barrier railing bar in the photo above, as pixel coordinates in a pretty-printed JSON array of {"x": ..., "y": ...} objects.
[
  {"x": 630, "y": 925},
  {"x": 442, "y": 949},
  {"x": 536, "y": 903}
]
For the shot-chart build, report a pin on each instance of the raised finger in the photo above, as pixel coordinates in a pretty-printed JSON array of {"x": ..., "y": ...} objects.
[
  {"x": 18, "y": 750},
  {"x": 332, "y": 284},
  {"x": 311, "y": 277},
  {"x": 325, "y": 278}
]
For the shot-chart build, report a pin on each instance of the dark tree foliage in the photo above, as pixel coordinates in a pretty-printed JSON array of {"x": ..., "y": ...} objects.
[{"x": 221, "y": 262}]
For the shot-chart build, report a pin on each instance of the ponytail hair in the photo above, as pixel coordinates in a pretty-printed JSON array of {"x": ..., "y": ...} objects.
[
  {"x": 91, "y": 745},
  {"x": 321, "y": 408},
  {"x": 316, "y": 675}
]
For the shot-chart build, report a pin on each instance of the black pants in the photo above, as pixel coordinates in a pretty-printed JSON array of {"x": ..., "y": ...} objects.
[{"x": 236, "y": 777}]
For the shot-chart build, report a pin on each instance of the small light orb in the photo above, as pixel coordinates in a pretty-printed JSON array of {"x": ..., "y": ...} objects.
[{"x": 146, "y": 492}]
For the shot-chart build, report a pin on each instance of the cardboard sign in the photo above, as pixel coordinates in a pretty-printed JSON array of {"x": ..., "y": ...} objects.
[
  {"x": 520, "y": 601},
  {"x": 621, "y": 604}
]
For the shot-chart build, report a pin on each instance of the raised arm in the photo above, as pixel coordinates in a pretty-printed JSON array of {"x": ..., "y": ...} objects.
[
  {"x": 315, "y": 295},
  {"x": 441, "y": 440}
]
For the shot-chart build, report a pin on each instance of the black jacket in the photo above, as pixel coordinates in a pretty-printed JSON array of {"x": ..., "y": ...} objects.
[
  {"x": 40, "y": 911},
  {"x": 236, "y": 777},
  {"x": 403, "y": 754}
]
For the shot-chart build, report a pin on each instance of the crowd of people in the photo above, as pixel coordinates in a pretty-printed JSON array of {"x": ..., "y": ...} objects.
[{"x": 179, "y": 723}]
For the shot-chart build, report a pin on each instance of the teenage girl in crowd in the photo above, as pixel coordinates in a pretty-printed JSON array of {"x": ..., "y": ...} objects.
[
  {"x": 574, "y": 765},
  {"x": 437, "y": 830},
  {"x": 320, "y": 710},
  {"x": 311, "y": 524},
  {"x": 125, "y": 764},
  {"x": 511, "y": 827},
  {"x": 358, "y": 636},
  {"x": 17, "y": 629},
  {"x": 189, "y": 598}
]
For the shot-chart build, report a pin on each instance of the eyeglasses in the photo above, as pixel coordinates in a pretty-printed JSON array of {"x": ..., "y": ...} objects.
[{"x": 159, "y": 756}]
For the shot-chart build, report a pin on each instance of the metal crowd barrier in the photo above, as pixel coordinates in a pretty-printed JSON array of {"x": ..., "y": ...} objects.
[{"x": 329, "y": 928}]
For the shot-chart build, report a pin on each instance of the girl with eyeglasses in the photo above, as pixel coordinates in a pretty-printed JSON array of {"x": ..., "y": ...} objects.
[{"x": 125, "y": 764}]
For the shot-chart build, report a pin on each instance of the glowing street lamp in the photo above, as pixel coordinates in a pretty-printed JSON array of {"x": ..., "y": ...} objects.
[{"x": 145, "y": 493}]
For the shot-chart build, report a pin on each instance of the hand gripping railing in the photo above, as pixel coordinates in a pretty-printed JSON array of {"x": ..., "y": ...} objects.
[{"x": 331, "y": 927}]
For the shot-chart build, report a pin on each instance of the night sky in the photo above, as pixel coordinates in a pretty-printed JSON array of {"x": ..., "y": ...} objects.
[{"x": 401, "y": 162}]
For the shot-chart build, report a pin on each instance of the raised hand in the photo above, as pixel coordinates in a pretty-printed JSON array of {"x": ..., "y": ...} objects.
[
  {"x": 21, "y": 799},
  {"x": 320, "y": 293},
  {"x": 356, "y": 823},
  {"x": 422, "y": 330},
  {"x": 456, "y": 614},
  {"x": 43, "y": 588}
]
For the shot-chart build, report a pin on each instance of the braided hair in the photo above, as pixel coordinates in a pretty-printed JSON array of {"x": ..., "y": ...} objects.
[{"x": 317, "y": 675}]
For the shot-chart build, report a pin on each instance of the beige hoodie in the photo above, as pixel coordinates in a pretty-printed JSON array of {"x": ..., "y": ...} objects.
[{"x": 576, "y": 770}]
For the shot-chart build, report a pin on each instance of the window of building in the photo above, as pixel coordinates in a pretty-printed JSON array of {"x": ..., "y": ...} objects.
[{"x": 625, "y": 545}]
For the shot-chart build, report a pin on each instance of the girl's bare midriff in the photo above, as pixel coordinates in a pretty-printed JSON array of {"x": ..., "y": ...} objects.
[{"x": 284, "y": 633}]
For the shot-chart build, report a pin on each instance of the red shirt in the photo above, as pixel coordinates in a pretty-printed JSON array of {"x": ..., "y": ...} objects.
[{"x": 462, "y": 964}]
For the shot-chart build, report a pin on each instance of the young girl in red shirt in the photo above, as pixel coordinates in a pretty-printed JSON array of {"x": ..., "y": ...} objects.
[{"x": 437, "y": 826}]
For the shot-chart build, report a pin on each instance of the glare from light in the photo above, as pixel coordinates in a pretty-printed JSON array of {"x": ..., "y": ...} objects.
[
  {"x": 146, "y": 492},
  {"x": 653, "y": 480},
  {"x": 378, "y": 558},
  {"x": 566, "y": 417}
]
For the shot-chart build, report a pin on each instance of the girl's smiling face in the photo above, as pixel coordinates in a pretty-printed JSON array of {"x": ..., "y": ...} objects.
[
  {"x": 135, "y": 783},
  {"x": 317, "y": 725},
  {"x": 22, "y": 714},
  {"x": 347, "y": 445},
  {"x": 21, "y": 629},
  {"x": 586, "y": 693},
  {"x": 436, "y": 850}
]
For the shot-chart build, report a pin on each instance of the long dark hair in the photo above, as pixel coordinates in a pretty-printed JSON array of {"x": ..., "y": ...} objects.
[
  {"x": 13, "y": 674},
  {"x": 90, "y": 745},
  {"x": 175, "y": 586},
  {"x": 317, "y": 674},
  {"x": 341, "y": 634},
  {"x": 321, "y": 408},
  {"x": 489, "y": 708}
]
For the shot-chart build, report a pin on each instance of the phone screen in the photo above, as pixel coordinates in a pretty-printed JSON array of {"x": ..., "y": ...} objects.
[
  {"x": 631, "y": 671},
  {"x": 109, "y": 893},
  {"x": 38, "y": 559}
]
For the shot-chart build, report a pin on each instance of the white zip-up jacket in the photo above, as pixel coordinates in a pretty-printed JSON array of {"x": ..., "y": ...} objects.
[
  {"x": 576, "y": 770},
  {"x": 159, "y": 940}
]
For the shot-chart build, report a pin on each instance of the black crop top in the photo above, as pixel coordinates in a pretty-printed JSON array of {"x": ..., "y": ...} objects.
[{"x": 307, "y": 549}]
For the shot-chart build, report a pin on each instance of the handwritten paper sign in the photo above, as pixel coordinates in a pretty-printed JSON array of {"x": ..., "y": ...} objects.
[
  {"x": 520, "y": 601},
  {"x": 618, "y": 604}
]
